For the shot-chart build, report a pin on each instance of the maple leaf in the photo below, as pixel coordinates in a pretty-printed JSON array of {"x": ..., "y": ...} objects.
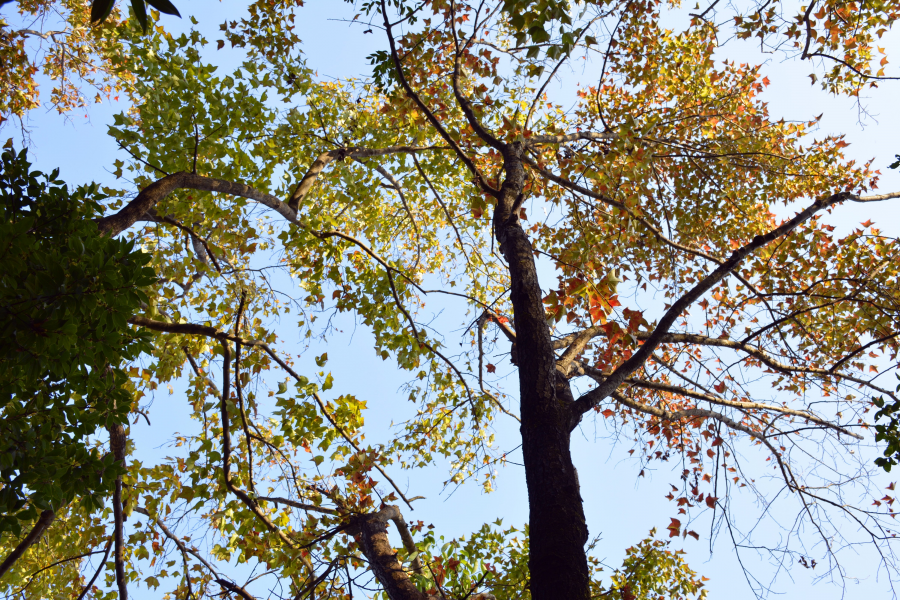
[{"x": 674, "y": 527}]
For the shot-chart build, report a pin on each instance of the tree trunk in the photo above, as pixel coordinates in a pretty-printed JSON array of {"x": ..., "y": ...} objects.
[{"x": 558, "y": 531}]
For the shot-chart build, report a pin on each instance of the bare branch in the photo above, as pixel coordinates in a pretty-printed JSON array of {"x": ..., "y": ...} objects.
[
  {"x": 682, "y": 391},
  {"x": 577, "y": 341},
  {"x": 90, "y": 584}
]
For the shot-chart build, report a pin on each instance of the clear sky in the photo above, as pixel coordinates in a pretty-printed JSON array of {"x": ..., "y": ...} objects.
[{"x": 619, "y": 504}]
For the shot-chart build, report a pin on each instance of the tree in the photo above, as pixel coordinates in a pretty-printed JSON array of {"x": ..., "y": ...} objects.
[
  {"x": 683, "y": 294},
  {"x": 66, "y": 294},
  {"x": 56, "y": 40},
  {"x": 75, "y": 46}
]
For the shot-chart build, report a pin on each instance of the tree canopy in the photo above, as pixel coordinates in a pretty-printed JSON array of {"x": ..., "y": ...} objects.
[{"x": 650, "y": 253}]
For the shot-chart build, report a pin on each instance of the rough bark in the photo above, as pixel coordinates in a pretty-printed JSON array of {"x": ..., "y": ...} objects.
[
  {"x": 370, "y": 532},
  {"x": 34, "y": 535},
  {"x": 558, "y": 531}
]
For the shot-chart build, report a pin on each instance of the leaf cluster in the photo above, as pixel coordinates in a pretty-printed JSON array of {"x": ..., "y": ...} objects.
[{"x": 65, "y": 296}]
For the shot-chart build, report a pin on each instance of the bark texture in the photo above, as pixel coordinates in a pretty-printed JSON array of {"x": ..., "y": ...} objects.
[
  {"x": 558, "y": 531},
  {"x": 370, "y": 532}
]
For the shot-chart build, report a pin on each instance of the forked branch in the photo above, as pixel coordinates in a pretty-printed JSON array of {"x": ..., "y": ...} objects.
[{"x": 655, "y": 338}]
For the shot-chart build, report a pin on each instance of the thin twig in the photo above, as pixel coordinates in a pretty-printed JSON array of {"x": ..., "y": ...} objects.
[{"x": 90, "y": 583}]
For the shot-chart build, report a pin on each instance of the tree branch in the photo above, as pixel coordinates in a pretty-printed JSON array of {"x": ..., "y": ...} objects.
[
  {"x": 675, "y": 416},
  {"x": 324, "y": 159},
  {"x": 575, "y": 343},
  {"x": 205, "y": 330},
  {"x": 370, "y": 532},
  {"x": 401, "y": 77},
  {"x": 226, "y": 454},
  {"x": 117, "y": 443},
  {"x": 592, "y": 398},
  {"x": 599, "y": 376},
  {"x": 90, "y": 584},
  {"x": 43, "y": 522},
  {"x": 181, "y": 545}
]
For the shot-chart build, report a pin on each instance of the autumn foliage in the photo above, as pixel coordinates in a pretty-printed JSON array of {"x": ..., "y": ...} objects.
[{"x": 653, "y": 253}]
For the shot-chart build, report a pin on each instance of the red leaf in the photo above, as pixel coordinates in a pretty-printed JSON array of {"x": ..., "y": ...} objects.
[
  {"x": 607, "y": 413},
  {"x": 720, "y": 387},
  {"x": 711, "y": 501},
  {"x": 694, "y": 535},
  {"x": 674, "y": 527},
  {"x": 491, "y": 368}
]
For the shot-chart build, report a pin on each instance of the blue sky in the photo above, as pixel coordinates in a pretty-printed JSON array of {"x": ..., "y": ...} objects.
[{"x": 619, "y": 504}]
